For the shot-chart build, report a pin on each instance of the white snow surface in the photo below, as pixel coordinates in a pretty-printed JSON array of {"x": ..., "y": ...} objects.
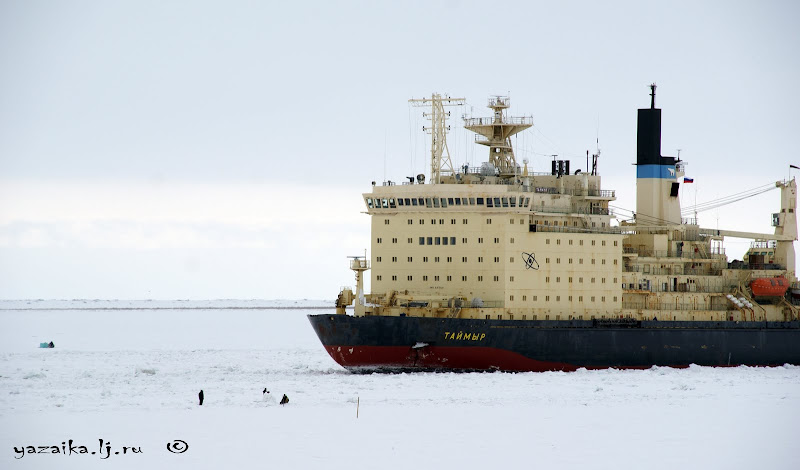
[{"x": 129, "y": 372}]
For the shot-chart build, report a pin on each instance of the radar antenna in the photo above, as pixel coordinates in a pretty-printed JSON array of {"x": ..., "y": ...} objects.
[{"x": 495, "y": 132}]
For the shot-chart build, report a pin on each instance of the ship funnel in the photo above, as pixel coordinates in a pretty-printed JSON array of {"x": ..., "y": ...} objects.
[{"x": 657, "y": 201}]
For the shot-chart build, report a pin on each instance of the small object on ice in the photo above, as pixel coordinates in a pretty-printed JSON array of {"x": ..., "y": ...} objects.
[
  {"x": 47, "y": 345},
  {"x": 51, "y": 345},
  {"x": 200, "y": 395},
  {"x": 284, "y": 400},
  {"x": 267, "y": 397}
]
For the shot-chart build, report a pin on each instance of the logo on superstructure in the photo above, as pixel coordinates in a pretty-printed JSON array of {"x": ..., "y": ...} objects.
[{"x": 530, "y": 260}]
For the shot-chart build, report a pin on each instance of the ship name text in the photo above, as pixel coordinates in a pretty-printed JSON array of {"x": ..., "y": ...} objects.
[{"x": 465, "y": 336}]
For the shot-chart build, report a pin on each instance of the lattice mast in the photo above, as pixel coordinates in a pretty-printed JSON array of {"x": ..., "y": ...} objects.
[
  {"x": 496, "y": 132},
  {"x": 441, "y": 164}
]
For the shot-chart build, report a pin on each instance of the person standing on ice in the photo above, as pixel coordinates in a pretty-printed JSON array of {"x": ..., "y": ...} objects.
[
  {"x": 200, "y": 396},
  {"x": 284, "y": 400}
]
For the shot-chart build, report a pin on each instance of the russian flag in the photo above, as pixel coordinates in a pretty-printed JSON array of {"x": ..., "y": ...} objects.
[{"x": 688, "y": 180}]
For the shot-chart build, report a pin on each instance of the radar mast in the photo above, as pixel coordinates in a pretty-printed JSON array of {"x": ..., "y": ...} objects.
[
  {"x": 440, "y": 154},
  {"x": 496, "y": 132}
]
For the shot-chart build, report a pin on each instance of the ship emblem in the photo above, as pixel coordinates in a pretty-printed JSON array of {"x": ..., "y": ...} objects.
[{"x": 530, "y": 260}]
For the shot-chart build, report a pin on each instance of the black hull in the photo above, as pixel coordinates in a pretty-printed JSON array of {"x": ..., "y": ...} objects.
[{"x": 376, "y": 343}]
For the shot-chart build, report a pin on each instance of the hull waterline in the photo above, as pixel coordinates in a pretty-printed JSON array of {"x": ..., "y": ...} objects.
[{"x": 392, "y": 344}]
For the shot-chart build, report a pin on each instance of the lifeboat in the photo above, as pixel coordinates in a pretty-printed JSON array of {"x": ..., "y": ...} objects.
[{"x": 769, "y": 286}]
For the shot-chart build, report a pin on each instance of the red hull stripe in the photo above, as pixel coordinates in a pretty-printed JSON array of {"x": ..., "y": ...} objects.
[{"x": 438, "y": 357}]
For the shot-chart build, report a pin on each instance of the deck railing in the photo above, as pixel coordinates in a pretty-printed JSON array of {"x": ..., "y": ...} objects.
[
  {"x": 556, "y": 229},
  {"x": 684, "y": 254}
]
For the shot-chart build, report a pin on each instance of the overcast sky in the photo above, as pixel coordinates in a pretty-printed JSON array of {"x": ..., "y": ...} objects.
[{"x": 190, "y": 149}]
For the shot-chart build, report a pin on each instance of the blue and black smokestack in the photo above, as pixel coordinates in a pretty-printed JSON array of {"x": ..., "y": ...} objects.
[
  {"x": 648, "y": 136},
  {"x": 650, "y": 163}
]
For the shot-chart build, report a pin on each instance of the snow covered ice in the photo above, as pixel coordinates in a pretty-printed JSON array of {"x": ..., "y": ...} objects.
[{"x": 129, "y": 372}]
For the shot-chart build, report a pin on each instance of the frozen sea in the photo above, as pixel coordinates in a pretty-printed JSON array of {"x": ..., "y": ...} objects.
[{"x": 128, "y": 372}]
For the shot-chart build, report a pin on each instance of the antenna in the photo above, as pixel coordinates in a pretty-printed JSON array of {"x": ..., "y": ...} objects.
[
  {"x": 595, "y": 157},
  {"x": 653, "y": 95},
  {"x": 384, "y": 153},
  {"x": 438, "y": 131}
]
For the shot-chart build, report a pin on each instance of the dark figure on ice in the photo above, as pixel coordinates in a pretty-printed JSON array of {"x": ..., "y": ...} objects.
[
  {"x": 51, "y": 345},
  {"x": 200, "y": 396},
  {"x": 284, "y": 400}
]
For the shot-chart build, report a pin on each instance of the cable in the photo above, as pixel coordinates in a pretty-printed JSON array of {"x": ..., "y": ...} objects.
[
  {"x": 646, "y": 218},
  {"x": 713, "y": 204},
  {"x": 641, "y": 217}
]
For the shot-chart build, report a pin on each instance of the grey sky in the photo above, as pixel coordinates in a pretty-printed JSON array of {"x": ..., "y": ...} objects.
[{"x": 104, "y": 104}]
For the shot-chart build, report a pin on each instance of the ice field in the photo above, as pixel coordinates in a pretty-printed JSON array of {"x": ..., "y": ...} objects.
[{"x": 128, "y": 372}]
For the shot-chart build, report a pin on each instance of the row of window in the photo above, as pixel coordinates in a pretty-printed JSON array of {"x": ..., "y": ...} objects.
[
  {"x": 580, "y": 280},
  {"x": 435, "y": 278},
  {"x": 443, "y": 240},
  {"x": 558, "y": 242},
  {"x": 441, "y": 221},
  {"x": 558, "y": 298},
  {"x": 440, "y": 240},
  {"x": 464, "y": 278},
  {"x": 464, "y": 259},
  {"x": 580, "y": 261},
  {"x": 564, "y": 223},
  {"x": 437, "y": 202},
  {"x": 510, "y": 316},
  {"x": 436, "y": 259}
]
